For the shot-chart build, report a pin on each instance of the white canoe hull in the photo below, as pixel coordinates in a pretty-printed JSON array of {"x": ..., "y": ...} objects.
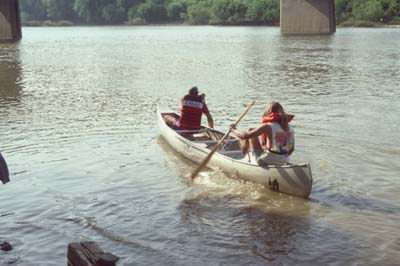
[{"x": 293, "y": 179}]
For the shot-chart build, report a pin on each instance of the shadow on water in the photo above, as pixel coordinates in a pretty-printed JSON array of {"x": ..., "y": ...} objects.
[
  {"x": 243, "y": 229},
  {"x": 175, "y": 161},
  {"x": 243, "y": 233},
  {"x": 91, "y": 224},
  {"x": 10, "y": 73}
]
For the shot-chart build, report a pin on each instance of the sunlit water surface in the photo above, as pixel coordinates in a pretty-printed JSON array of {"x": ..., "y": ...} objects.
[{"x": 78, "y": 129}]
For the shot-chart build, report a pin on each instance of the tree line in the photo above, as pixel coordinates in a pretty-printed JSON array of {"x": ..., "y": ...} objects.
[{"x": 248, "y": 12}]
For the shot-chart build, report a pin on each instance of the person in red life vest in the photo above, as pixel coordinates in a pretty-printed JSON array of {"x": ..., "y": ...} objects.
[
  {"x": 277, "y": 137},
  {"x": 193, "y": 106}
]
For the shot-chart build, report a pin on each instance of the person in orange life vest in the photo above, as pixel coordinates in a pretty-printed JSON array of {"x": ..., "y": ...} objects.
[
  {"x": 193, "y": 106},
  {"x": 277, "y": 137}
]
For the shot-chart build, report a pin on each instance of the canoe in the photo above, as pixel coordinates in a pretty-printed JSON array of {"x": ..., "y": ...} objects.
[{"x": 293, "y": 179}]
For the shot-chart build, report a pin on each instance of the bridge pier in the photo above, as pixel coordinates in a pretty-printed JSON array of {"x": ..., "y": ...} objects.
[
  {"x": 10, "y": 21},
  {"x": 308, "y": 17}
]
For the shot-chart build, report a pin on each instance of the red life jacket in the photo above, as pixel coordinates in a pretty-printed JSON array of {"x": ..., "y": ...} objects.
[
  {"x": 192, "y": 109},
  {"x": 274, "y": 117}
]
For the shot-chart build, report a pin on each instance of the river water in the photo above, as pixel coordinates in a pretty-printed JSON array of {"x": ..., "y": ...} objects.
[{"x": 78, "y": 129}]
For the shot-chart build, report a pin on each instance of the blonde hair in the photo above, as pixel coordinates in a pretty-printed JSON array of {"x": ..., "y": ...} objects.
[{"x": 275, "y": 107}]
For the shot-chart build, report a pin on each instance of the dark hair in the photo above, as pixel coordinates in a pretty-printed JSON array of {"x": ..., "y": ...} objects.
[{"x": 193, "y": 91}]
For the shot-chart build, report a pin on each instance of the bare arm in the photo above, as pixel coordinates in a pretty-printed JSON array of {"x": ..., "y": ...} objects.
[
  {"x": 206, "y": 112},
  {"x": 292, "y": 150},
  {"x": 252, "y": 133},
  {"x": 210, "y": 120}
]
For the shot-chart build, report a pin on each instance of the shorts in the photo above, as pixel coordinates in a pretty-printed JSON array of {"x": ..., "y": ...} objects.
[{"x": 176, "y": 124}]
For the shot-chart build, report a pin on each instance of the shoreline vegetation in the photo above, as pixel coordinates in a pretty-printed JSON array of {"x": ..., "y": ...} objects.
[
  {"x": 63, "y": 13},
  {"x": 66, "y": 23}
]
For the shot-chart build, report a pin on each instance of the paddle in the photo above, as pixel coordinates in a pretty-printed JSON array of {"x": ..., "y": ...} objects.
[{"x": 207, "y": 159}]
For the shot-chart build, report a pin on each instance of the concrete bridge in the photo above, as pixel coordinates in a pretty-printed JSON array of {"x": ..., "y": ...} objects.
[
  {"x": 308, "y": 17},
  {"x": 297, "y": 17},
  {"x": 10, "y": 22}
]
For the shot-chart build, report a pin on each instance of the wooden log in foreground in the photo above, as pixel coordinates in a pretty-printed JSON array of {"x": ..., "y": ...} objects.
[{"x": 89, "y": 254}]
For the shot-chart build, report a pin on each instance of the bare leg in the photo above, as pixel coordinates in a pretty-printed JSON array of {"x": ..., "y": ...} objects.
[
  {"x": 169, "y": 119},
  {"x": 254, "y": 145},
  {"x": 244, "y": 146}
]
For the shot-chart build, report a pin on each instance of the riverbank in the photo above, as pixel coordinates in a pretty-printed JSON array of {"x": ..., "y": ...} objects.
[
  {"x": 369, "y": 24},
  {"x": 66, "y": 23}
]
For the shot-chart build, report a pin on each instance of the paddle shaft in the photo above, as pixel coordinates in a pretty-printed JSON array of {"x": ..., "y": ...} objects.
[{"x": 207, "y": 159}]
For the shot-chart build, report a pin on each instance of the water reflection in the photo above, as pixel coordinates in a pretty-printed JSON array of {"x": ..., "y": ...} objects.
[
  {"x": 272, "y": 234},
  {"x": 10, "y": 73},
  {"x": 306, "y": 62},
  {"x": 357, "y": 202},
  {"x": 176, "y": 162},
  {"x": 294, "y": 65},
  {"x": 84, "y": 133},
  {"x": 237, "y": 218},
  {"x": 233, "y": 227}
]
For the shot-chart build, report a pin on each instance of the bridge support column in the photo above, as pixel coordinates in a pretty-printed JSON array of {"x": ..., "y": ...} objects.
[
  {"x": 10, "y": 22},
  {"x": 308, "y": 17}
]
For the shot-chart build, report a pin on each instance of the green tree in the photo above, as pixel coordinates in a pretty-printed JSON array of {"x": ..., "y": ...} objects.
[
  {"x": 32, "y": 10},
  {"x": 127, "y": 4},
  {"x": 342, "y": 9},
  {"x": 59, "y": 9},
  {"x": 194, "y": 11},
  {"x": 114, "y": 13},
  {"x": 263, "y": 11},
  {"x": 151, "y": 12},
  {"x": 374, "y": 10},
  {"x": 229, "y": 10},
  {"x": 176, "y": 9},
  {"x": 88, "y": 10},
  {"x": 392, "y": 9},
  {"x": 199, "y": 13}
]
